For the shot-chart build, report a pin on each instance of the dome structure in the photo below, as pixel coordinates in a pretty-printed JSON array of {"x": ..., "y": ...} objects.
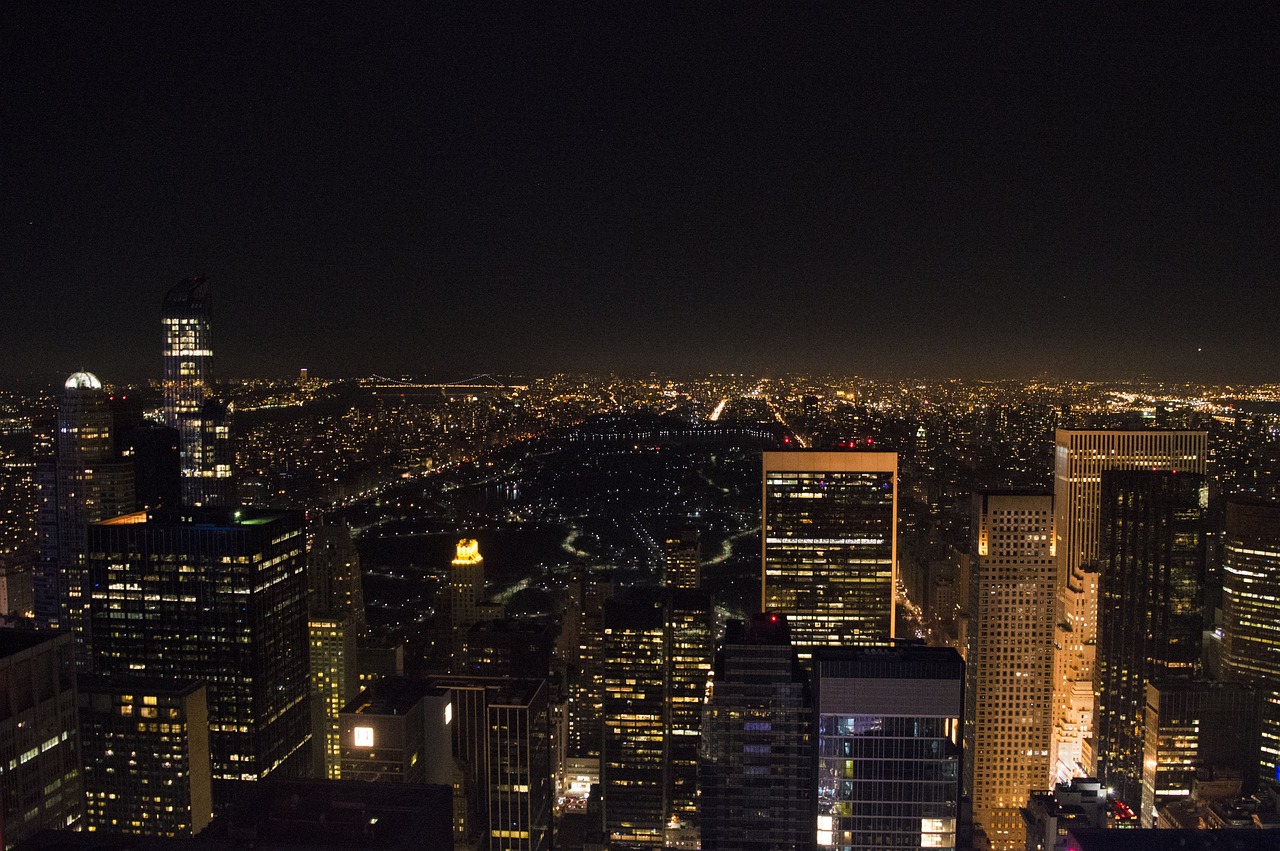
[{"x": 83, "y": 381}]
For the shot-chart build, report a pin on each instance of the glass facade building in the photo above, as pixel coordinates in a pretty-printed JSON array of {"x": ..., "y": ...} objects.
[
  {"x": 1150, "y": 607},
  {"x": 888, "y": 747},
  {"x": 757, "y": 767},
  {"x": 1251, "y": 613},
  {"x": 830, "y": 545}
]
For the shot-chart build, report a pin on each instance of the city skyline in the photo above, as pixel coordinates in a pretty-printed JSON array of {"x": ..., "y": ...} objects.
[{"x": 751, "y": 190}]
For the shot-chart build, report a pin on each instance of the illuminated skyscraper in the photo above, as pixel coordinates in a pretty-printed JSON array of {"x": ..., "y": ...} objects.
[
  {"x": 632, "y": 762},
  {"x": 203, "y": 429},
  {"x": 682, "y": 559},
  {"x": 466, "y": 593},
  {"x": 888, "y": 743},
  {"x": 1251, "y": 613},
  {"x": 691, "y": 632},
  {"x": 83, "y": 484},
  {"x": 830, "y": 545},
  {"x": 1150, "y": 608},
  {"x": 215, "y": 596},
  {"x": 1010, "y": 664},
  {"x": 1079, "y": 460},
  {"x": 584, "y": 632}
]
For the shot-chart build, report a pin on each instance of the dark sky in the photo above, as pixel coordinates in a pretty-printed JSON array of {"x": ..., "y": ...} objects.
[{"x": 924, "y": 189}]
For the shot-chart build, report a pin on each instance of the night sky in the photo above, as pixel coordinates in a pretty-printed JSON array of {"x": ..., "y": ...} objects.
[{"x": 928, "y": 189}]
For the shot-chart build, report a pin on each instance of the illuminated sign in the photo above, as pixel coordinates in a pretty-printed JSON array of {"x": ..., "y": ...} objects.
[{"x": 363, "y": 737}]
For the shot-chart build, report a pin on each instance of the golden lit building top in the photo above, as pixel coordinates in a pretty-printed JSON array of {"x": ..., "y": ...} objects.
[{"x": 468, "y": 552}]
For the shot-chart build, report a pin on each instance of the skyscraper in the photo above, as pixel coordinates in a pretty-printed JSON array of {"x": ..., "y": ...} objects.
[
  {"x": 1150, "y": 609},
  {"x": 1251, "y": 613},
  {"x": 682, "y": 559},
  {"x": 830, "y": 545},
  {"x": 691, "y": 632},
  {"x": 888, "y": 743},
  {"x": 466, "y": 593},
  {"x": 203, "y": 430},
  {"x": 1010, "y": 663},
  {"x": 757, "y": 767},
  {"x": 216, "y": 596},
  {"x": 632, "y": 761},
  {"x": 1079, "y": 459},
  {"x": 584, "y": 632},
  {"x": 83, "y": 484}
]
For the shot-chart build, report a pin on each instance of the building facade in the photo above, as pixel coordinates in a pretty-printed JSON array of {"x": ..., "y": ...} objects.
[
  {"x": 1080, "y": 457},
  {"x": 1010, "y": 659},
  {"x": 1251, "y": 613},
  {"x": 888, "y": 747},
  {"x": 682, "y": 559},
  {"x": 830, "y": 545},
  {"x": 757, "y": 765},
  {"x": 1150, "y": 607},
  {"x": 41, "y": 787},
  {"x": 215, "y": 596},
  {"x": 146, "y": 756}
]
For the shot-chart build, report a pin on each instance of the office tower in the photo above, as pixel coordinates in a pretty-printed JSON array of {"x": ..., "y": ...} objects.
[
  {"x": 1193, "y": 729},
  {"x": 757, "y": 765},
  {"x": 633, "y": 755},
  {"x": 39, "y": 737},
  {"x": 691, "y": 631},
  {"x": 880, "y": 710},
  {"x": 188, "y": 356},
  {"x": 1079, "y": 460},
  {"x": 378, "y": 659},
  {"x": 1013, "y": 595},
  {"x": 1251, "y": 613},
  {"x": 501, "y": 734},
  {"x": 84, "y": 483},
  {"x": 466, "y": 593},
  {"x": 216, "y": 596},
  {"x": 398, "y": 730},
  {"x": 145, "y": 746},
  {"x": 335, "y": 619},
  {"x": 584, "y": 628},
  {"x": 682, "y": 559},
  {"x": 157, "y": 464},
  {"x": 1150, "y": 607},
  {"x": 830, "y": 545}
]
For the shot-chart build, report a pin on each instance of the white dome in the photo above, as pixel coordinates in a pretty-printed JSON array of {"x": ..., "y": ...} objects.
[{"x": 83, "y": 381}]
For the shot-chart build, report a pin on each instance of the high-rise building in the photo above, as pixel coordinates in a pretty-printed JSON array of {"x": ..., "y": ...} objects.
[
  {"x": 1196, "y": 728},
  {"x": 1080, "y": 457},
  {"x": 658, "y": 650},
  {"x": 1013, "y": 595},
  {"x": 203, "y": 431},
  {"x": 398, "y": 730},
  {"x": 501, "y": 734},
  {"x": 83, "y": 484},
  {"x": 830, "y": 545},
  {"x": 1251, "y": 613},
  {"x": 1150, "y": 607},
  {"x": 466, "y": 593},
  {"x": 632, "y": 763},
  {"x": 682, "y": 559},
  {"x": 584, "y": 631},
  {"x": 146, "y": 756},
  {"x": 888, "y": 747},
  {"x": 335, "y": 620},
  {"x": 41, "y": 787},
  {"x": 216, "y": 596},
  {"x": 757, "y": 765},
  {"x": 691, "y": 633}
]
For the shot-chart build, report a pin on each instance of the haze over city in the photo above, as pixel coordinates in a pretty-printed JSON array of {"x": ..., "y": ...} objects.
[{"x": 892, "y": 190}]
